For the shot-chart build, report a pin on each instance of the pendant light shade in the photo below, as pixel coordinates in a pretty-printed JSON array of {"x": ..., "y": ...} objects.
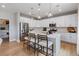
[{"x": 49, "y": 13}]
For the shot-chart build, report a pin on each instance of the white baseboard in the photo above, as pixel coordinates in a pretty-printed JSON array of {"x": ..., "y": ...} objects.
[
  {"x": 18, "y": 41},
  {"x": 12, "y": 40}
]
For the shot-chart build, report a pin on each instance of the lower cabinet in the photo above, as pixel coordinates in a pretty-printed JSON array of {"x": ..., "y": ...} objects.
[{"x": 69, "y": 37}]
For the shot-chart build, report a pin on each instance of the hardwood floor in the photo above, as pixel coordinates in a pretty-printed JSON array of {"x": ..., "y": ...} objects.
[
  {"x": 68, "y": 49},
  {"x": 17, "y": 49},
  {"x": 14, "y": 49}
]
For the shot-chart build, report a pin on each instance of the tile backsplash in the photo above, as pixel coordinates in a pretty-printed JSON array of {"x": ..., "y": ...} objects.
[{"x": 59, "y": 29}]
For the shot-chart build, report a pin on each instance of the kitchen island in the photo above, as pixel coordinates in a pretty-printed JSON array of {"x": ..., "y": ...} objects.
[
  {"x": 54, "y": 39},
  {"x": 1, "y": 41}
]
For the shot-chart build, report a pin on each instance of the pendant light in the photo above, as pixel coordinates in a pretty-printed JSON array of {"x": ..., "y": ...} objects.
[
  {"x": 38, "y": 7},
  {"x": 59, "y": 8},
  {"x": 49, "y": 13},
  {"x": 39, "y": 17},
  {"x": 31, "y": 11}
]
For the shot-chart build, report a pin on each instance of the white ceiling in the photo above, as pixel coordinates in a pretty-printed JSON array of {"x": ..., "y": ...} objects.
[{"x": 44, "y": 8}]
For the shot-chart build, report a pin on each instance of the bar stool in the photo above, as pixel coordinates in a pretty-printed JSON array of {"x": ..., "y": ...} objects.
[{"x": 44, "y": 45}]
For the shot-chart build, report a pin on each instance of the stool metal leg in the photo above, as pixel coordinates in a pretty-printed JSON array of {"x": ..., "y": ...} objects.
[{"x": 52, "y": 50}]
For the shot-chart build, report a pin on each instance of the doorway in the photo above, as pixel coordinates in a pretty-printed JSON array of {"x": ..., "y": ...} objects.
[
  {"x": 4, "y": 30},
  {"x": 24, "y": 30}
]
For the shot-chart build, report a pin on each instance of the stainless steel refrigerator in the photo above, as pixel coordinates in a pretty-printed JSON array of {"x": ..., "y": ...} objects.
[{"x": 24, "y": 30}]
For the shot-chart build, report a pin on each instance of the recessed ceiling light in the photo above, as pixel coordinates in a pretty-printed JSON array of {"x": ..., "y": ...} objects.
[
  {"x": 38, "y": 9},
  {"x": 60, "y": 9},
  {"x": 3, "y": 6},
  {"x": 50, "y": 14}
]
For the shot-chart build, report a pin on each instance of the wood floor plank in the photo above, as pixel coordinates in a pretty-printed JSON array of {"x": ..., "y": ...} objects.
[{"x": 17, "y": 49}]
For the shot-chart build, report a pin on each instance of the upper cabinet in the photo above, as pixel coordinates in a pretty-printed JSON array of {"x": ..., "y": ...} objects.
[
  {"x": 66, "y": 21},
  {"x": 70, "y": 21},
  {"x": 62, "y": 21}
]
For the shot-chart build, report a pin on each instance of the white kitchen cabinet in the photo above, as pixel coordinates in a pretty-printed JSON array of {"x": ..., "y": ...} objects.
[
  {"x": 64, "y": 21},
  {"x": 61, "y": 21},
  {"x": 69, "y": 37},
  {"x": 73, "y": 38},
  {"x": 70, "y": 20},
  {"x": 67, "y": 21},
  {"x": 44, "y": 23}
]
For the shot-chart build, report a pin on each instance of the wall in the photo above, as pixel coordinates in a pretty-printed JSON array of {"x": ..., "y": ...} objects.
[
  {"x": 12, "y": 25},
  {"x": 17, "y": 17},
  {"x": 78, "y": 34}
]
